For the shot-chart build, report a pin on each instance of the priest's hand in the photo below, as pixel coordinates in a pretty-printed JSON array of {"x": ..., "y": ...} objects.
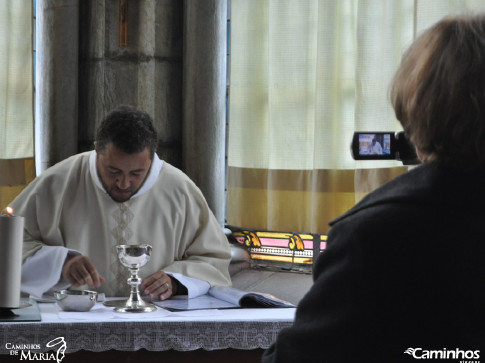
[
  {"x": 159, "y": 285},
  {"x": 79, "y": 270}
]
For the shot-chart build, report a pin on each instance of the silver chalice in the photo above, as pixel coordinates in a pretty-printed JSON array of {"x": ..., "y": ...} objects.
[{"x": 133, "y": 257}]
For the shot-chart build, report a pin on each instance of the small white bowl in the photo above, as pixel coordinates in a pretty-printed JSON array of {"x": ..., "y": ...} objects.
[{"x": 76, "y": 300}]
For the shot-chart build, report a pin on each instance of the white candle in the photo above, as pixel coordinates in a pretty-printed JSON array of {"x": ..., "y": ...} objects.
[{"x": 11, "y": 240}]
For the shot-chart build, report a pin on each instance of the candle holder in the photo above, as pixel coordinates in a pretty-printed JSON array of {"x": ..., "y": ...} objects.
[{"x": 134, "y": 257}]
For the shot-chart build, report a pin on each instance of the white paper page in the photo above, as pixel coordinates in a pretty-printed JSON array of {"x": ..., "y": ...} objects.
[
  {"x": 197, "y": 303},
  {"x": 228, "y": 294}
]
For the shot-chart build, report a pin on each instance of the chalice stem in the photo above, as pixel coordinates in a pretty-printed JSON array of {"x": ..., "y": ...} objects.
[{"x": 134, "y": 281}]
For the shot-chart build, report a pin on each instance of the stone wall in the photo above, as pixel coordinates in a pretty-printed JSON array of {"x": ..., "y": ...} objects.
[{"x": 146, "y": 73}]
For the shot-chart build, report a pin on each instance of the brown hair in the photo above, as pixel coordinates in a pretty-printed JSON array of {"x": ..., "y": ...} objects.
[{"x": 438, "y": 92}]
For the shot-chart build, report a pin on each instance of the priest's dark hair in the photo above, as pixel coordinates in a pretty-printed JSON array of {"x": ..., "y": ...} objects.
[{"x": 129, "y": 129}]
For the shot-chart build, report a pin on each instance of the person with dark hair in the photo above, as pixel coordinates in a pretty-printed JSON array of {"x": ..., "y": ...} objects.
[
  {"x": 77, "y": 211},
  {"x": 417, "y": 291},
  {"x": 129, "y": 129},
  {"x": 375, "y": 147}
]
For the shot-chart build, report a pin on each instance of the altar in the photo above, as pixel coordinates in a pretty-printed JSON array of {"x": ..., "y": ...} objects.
[{"x": 212, "y": 335}]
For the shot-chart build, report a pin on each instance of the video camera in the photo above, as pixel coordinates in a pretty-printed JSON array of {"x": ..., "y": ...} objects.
[{"x": 383, "y": 146}]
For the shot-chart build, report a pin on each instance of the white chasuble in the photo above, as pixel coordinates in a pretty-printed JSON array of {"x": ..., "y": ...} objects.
[{"x": 67, "y": 208}]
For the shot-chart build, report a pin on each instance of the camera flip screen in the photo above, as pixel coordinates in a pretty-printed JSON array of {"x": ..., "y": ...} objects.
[
  {"x": 373, "y": 145},
  {"x": 384, "y": 146}
]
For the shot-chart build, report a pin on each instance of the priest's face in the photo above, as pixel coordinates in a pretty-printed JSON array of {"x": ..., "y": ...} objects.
[{"x": 122, "y": 174}]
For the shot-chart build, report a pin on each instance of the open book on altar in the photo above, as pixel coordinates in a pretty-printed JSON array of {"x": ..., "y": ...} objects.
[{"x": 220, "y": 297}]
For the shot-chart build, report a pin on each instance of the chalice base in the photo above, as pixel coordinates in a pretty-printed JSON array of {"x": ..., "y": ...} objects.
[{"x": 131, "y": 306}]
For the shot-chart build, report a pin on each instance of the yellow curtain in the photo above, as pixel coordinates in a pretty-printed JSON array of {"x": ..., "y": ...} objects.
[
  {"x": 304, "y": 75},
  {"x": 16, "y": 98}
]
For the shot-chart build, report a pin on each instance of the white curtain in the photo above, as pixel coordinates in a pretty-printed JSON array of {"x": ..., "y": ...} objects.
[
  {"x": 304, "y": 75},
  {"x": 16, "y": 98}
]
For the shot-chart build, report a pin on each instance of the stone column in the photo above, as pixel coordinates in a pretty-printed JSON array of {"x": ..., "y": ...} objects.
[
  {"x": 56, "y": 106},
  {"x": 204, "y": 89}
]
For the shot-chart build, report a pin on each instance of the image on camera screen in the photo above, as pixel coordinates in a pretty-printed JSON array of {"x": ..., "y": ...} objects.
[{"x": 374, "y": 144}]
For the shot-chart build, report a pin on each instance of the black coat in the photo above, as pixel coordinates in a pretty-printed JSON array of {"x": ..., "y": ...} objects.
[{"x": 404, "y": 268}]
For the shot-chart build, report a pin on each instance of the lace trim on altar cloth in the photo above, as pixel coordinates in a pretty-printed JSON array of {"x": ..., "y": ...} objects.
[{"x": 152, "y": 336}]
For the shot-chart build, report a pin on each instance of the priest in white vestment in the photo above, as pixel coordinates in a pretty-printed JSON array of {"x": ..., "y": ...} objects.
[{"x": 77, "y": 211}]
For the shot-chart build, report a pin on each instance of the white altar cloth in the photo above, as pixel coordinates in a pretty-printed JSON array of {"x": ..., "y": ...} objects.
[{"x": 102, "y": 329}]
